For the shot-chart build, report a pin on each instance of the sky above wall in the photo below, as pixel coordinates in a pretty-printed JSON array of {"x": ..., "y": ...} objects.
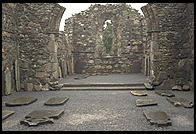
[{"x": 73, "y": 8}]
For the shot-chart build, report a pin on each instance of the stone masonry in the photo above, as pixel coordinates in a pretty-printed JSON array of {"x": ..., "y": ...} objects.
[
  {"x": 170, "y": 43},
  {"x": 159, "y": 44},
  {"x": 85, "y": 33}
]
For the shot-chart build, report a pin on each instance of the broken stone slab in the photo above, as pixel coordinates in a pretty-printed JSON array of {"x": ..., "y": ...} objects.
[
  {"x": 6, "y": 114},
  {"x": 164, "y": 93},
  {"x": 39, "y": 117},
  {"x": 56, "y": 101},
  {"x": 148, "y": 86},
  {"x": 177, "y": 87},
  {"x": 36, "y": 121},
  {"x": 176, "y": 101},
  {"x": 139, "y": 93},
  {"x": 145, "y": 102},
  {"x": 158, "y": 117},
  {"x": 45, "y": 113},
  {"x": 21, "y": 101}
]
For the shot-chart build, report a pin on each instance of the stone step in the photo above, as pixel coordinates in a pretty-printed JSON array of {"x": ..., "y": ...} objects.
[
  {"x": 105, "y": 88},
  {"x": 102, "y": 84}
]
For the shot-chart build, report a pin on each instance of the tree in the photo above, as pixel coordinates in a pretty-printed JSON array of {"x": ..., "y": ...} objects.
[{"x": 108, "y": 37}]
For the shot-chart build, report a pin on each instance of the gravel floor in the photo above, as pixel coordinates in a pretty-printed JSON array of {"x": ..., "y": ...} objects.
[{"x": 100, "y": 111}]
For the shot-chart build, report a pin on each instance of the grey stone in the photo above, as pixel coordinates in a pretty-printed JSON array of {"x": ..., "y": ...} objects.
[
  {"x": 6, "y": 114},
  {"x": 177, "y": 87},
  {"x": 186, "y": 87},
  {"x": 56, "y": 101},
  {"x": 21, "y": 101},
  {"x": 139, "y": 93},
  {"x": 8, "y": 82},
  {"x": 148, "y": 86},
  {"x": 36, "y": 121},
  {"x": 158, "y": 117},
  {"x": 177, "y": 101},
  {"x": 164, "y": 93},
  {"x": 166, "y": 84},
  {"x": 38, "y": 114},
  {"x": 29, "y": 86},
  {"x": 145, "y": 102}
]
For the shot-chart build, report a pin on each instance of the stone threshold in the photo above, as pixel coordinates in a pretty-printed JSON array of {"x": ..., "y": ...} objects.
[
  {"x": 101, "y": 84},
  {"x": 104, "y": 88}
]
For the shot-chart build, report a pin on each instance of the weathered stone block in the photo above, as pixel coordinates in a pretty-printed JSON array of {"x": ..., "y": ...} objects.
[
  {"x": 177, "y": 87},
  {"x": 29, "y": 86},
  {"x": 139, "y": 93},
  {"x": 148, "y": 86},
  {"x": 177, "y": 101},
  {"x": 41, "y": 74},
  {"x": 145, "y": 102},
  {"x": 186, "y": 87},
  {"x": 158, "y": 117}
]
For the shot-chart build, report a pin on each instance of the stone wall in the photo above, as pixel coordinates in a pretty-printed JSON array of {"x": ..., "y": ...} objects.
[
  {"x": 38, "y": 25},
  {"x": 85, "y": 32},
  {"x": 9, "y": 49},
  {"x": 30, "y": 33},
  {"x": 170, "y": 43}
]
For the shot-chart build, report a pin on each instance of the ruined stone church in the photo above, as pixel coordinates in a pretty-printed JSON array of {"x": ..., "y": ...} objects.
[{"x": 159, "y": 44}]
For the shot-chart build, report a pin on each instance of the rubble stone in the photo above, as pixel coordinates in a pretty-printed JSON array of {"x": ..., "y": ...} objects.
[{"x": 177, "y": 101}]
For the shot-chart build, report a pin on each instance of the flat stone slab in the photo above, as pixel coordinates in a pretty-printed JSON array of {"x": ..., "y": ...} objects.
[
  {"x": 158, "y": 117},
  {"x": 21, "y": 101},
  {"x": 45, "y": 113},
  {"x": 139, "y": 93},
  {"x": 180, "y": 102},
  {"x": 145, "y": 102},
  {"x": 39, "y": 117},
  {"x": 164, "y": 93},
  {"x": 56, "y": 101},
  {"x": 36, "y": 121},
  {"x": 6, "y": 114}
]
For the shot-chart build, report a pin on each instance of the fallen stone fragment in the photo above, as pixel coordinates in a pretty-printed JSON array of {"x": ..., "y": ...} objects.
[
  {"x": 56, "y": 101},
  {"x": 145, "y": 102},
  {"x": 186, "y": 88},
  {"x": 6, "y": 114},
  {"x": 148, "y": 86},
  {"x": 21, "y": 101},
  {"x": 180, "y": 102},
  {"x": 177, "y": 87},
  {"x": 158, "y": 117},
  {"x": 164, "y": 93},
  {"x": 36, "y": 121},
  {"x": 39, "y": 117},
  {"x": 139, "y": 93}
]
